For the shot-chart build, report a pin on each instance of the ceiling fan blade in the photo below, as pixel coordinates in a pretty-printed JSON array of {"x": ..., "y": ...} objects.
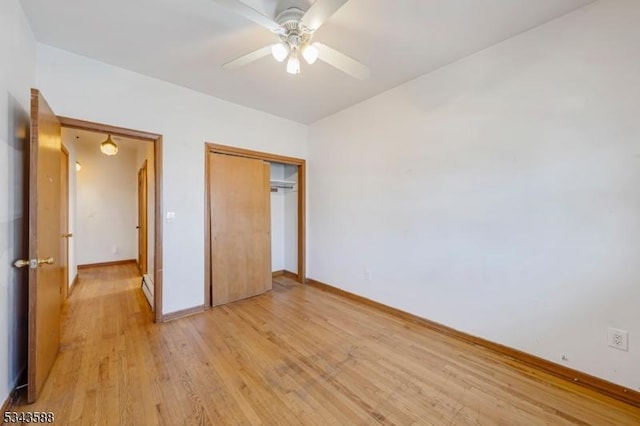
[
  {"x": 342, "y": 62},
  {"x": 251, "y": 14},
  {"x": 320, "y": 11},
  {"x": 248, "y": 58}
]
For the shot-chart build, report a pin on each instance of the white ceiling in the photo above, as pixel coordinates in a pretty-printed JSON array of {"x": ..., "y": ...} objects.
[{"x": 186, "y": 41}]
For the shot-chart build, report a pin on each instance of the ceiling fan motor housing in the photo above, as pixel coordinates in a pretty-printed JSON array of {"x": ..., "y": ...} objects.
[{"x": 290, "y": 19}]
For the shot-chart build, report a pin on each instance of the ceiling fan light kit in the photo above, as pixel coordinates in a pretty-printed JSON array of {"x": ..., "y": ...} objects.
[
  {"x": 295, "y": 39},
  {"x": 280, "y": 51},
  {"x": 310, "y": 53},
  {"x": 295, "y": 28},
  {"x": 293, "y": 64}
]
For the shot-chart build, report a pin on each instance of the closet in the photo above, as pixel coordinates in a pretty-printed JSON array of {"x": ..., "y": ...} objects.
[
  {"x": 254, "y": 226},
  {"x": 284, "y": 218}
]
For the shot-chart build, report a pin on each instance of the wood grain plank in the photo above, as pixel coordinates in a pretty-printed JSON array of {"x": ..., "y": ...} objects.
[
  {"x": 593, "y": 383},
  {"x": 295, "y": 355}
]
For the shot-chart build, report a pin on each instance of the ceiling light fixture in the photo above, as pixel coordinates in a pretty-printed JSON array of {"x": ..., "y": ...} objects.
[
  {"x": 293, "y": 64},
  {"x": 310, "y": 53},
  {"x": 109, "y": 147},
  {"x": 280, "y": 51},
  {"x": 295, "y": 29}
]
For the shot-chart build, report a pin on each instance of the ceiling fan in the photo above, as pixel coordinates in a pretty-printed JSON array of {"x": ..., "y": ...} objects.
[{"x": 294, "y": 28}]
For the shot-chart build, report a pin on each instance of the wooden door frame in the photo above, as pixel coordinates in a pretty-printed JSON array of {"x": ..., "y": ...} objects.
[
  {"x": 143, "y": 206},
  {"x": 65, "y": 208},
  {"x": 156, "y": 139},
  {"x": 264, "y": 156}
]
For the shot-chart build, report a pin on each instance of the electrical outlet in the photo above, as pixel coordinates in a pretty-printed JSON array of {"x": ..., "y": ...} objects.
[
  {"x": 618, "y": 339},
  {"x": 367, "y": 275}
]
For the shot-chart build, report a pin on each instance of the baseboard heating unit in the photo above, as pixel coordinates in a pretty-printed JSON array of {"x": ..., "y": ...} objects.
[{"x": 147, "y": 288}]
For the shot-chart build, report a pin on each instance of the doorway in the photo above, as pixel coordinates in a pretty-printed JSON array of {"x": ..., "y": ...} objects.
[
  {"x": 296, "y": 165},
  {"x": 47, "y": 240},
  {"x": 155, "y": 140}
]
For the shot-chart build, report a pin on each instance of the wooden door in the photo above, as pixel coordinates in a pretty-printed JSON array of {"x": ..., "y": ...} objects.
[
  {"x": 240, "y": 227},
  {"x": 142, "y": 218},
  {"x": 64, "y": 221},
  {"x": 45, "y": 273}
]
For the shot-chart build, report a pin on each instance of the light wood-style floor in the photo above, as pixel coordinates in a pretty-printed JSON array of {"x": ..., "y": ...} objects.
[{"x": 294, "y": 356}]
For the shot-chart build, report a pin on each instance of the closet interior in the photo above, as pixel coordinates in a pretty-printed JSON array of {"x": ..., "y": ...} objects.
[{"x": 284, "y": 218}]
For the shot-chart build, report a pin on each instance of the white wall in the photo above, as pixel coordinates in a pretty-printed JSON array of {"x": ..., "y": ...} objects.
[
  {"x": 500, "y": 194},
  {"x": 107, "y": 203},
  {"x": 17, "y": 57},
  {"x": 277, "y": 220},
  {"x": 82, "y": 88}
]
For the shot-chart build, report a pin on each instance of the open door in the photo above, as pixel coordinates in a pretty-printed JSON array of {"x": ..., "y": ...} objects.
[
  {"x": 240, "y": 228},
  {"x": 45, "y": 244},
  {"x": 142, "y": 219}
]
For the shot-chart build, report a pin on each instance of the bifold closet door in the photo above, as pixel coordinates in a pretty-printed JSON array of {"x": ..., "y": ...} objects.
[{"x": 240, "y": 227}]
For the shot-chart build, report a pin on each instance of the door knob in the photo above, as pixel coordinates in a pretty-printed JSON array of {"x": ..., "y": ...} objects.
[
  {"x": 21, "y": 263},
  {"x": 33, "y": 263},
  {"x": 69, "y": 235}
]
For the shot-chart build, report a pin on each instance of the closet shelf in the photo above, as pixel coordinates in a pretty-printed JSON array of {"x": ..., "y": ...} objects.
[{"x": 285, "y": 184}]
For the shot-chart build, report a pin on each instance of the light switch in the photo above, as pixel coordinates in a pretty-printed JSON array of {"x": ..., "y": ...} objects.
[{"x": 171, "y": 217}]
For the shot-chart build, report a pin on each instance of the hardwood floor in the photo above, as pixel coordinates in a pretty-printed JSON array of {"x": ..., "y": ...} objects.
[{"x": 296, "y": 355}]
